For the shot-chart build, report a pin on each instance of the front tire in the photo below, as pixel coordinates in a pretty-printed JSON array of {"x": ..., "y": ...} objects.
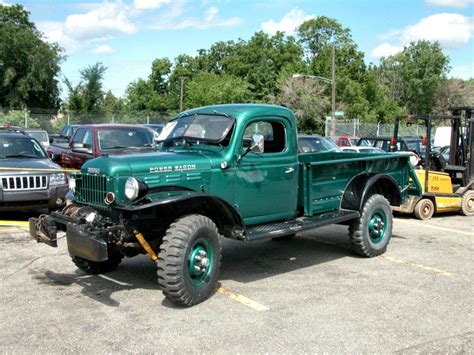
[
  {"x": 467, "y": 203},
  {"x": 424, "y": 209},
  {"x": 371, "y": 233},
  {"x": 189, "y": 260}
]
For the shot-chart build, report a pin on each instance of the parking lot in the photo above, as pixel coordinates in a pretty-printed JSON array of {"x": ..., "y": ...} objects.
[{"x": 309, "y": 294}]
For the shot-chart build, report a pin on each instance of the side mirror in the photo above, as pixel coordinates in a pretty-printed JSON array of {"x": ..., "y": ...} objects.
[
  {"x": 79, "y": 147},
  {"x": 257, "y": 145}
]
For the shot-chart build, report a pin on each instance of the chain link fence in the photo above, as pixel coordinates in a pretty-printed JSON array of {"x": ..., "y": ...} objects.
[
  {"x": 53, "y": 120},
  {"x": 363, "y": 129}
]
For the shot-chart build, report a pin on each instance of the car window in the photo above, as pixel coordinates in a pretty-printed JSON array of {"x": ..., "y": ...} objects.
[
  {"x": 273, "y": 133},
  {"x": 20, "y": 148},
  {"x": 117, "y": 138},
  {"x": 87, "y": 139},
  {"x": 78, "y": 136}
]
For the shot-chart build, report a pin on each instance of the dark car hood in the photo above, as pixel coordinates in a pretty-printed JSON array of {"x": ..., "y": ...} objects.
[{"x": 22, "y": 164}]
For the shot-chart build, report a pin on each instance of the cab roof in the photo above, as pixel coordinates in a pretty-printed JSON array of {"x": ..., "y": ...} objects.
[{"x": 241, "y": 111}]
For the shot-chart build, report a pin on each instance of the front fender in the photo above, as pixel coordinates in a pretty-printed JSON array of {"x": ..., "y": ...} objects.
[{"x": 183, "y": 202}]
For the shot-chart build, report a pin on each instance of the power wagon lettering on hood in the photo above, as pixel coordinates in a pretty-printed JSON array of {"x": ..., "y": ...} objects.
[{"x": 167, "y": 169}]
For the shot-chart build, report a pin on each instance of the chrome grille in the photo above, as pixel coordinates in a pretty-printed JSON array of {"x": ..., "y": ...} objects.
[
  {"x": 91, "y": 189},
  {"x": 24, "y": 182}
]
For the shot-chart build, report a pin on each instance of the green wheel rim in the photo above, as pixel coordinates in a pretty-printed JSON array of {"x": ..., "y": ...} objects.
[
  {"x": 378, "y": 226},
  {"x": 200, "y": 260}
]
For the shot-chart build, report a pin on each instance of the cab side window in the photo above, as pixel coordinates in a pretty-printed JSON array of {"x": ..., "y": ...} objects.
[
  {"x": 78, "y": 136},
  {"x": 273, "y": 133},
  {"x": 87, "y": 139}
]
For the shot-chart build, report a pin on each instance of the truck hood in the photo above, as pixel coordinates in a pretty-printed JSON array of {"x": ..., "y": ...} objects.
[
  {"x": 23, "y": 164},
  {"x": 147, "y": 164}
]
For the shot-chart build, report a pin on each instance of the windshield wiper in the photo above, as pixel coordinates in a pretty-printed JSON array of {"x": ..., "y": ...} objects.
[
  {"x": 116, "y": 147},
  {"x": 21, "y": 156}
]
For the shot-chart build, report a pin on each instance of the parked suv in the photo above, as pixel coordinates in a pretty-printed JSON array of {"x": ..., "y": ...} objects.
[{"x": 29, "y": 180}]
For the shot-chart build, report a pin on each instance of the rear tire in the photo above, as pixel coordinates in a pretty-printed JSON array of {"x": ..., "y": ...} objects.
[
  {"x": 467, "y": 203},
  {"x": 99, "y": 267},
  {"x": 371, "y": 232},
  {"x": 189, "y": 260},
  {"x": 424, "y": 209}
]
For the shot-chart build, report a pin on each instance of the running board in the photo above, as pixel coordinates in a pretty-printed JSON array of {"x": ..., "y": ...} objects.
[{"x": 280, "y": 229}]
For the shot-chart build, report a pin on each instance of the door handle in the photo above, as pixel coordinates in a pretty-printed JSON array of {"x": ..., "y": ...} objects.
[{"x": 289, "y": 170}]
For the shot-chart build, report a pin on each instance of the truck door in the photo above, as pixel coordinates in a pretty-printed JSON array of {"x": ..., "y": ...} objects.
[
  {"x": 68, "y": 158},
  {"x": 82, "y": 149},
  {"x": 266, "y": 184}
]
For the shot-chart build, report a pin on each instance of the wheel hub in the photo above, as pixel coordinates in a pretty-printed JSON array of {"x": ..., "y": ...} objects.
[
  {"x": 199, "y": 262},
  {"x": 377, "y": 227}
]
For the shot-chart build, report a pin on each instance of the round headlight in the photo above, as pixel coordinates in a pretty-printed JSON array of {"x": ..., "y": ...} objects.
[{"x": 131, "y": 188}]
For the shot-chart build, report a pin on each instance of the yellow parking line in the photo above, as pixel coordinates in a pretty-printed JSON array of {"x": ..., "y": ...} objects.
[
  {"x": 419, "y": 266},
  {"x": 243, "y": 300},
  {"x": 425, "y": 224},
  {"x": 38, "y": 169},
  {"x": 14, "y": 223}
]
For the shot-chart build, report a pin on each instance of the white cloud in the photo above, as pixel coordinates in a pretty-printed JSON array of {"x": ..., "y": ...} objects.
[
  {"x": 101, "y": 23},
  {"x": 449, "y": 3},
  {"x": 209, "y": 20},
  {"x": 288, "y": 23},
  {"x": 103, "y": 49},
  {"x": 4, "y": 3},
  {"x": 385, "y": 50},
  {"x": 149, "y": 4},
  {"x": 450, "y": 30}
]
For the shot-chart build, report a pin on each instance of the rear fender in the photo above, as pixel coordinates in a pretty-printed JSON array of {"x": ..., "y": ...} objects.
[{"x": 363, "y": 186}]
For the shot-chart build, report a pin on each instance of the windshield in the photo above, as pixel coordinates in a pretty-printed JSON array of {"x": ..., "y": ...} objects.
[
  {"x": 199, "y": 127},
  {"x": 119, "y": 138},
  {"x": 22, "y": 148},
  {"x": 316, "y": 144},
  {"x": 415, "y": 146},
  {"x": 39, "y": 135}
]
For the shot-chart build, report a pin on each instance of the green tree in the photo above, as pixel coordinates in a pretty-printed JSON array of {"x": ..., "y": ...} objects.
[
  {"x": 29, "y": 66},
  {"x": 415, "y": 75},
  {"x": 86, "y": 99},
  {"x": 210, "y": 89}
]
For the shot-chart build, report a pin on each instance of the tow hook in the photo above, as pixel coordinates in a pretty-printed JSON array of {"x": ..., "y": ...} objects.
[
  {"x": 141, "y": 239},
  {"x": 43, "y": 232}
]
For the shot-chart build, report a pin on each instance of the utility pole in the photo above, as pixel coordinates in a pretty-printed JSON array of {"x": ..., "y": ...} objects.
[
  {"x": 181, "y": 94},
  {"x": 333, "y": 82}
]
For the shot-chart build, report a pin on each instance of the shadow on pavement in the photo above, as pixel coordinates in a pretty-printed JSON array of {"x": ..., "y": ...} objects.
[{"x": 240, "y": 262}]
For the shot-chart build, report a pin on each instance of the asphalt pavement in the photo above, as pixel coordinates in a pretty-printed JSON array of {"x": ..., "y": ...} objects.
[{"x": 306, "y": 295}]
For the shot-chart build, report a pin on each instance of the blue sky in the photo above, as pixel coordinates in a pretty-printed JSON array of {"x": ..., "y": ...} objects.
[{"x": 127, "y": 35}]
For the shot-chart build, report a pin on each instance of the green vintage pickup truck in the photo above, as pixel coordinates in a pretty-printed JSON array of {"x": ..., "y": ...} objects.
[{"x": 230, "y": 171}]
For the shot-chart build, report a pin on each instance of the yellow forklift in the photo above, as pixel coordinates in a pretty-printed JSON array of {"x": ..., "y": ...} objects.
[{"x": 447, "y": 185}]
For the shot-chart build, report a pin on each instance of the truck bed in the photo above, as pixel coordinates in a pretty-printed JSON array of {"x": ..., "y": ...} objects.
[{"x": 325, "y": 176}]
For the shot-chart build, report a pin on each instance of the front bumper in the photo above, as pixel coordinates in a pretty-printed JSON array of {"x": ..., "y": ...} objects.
[
  {"x": 83, "y": 239},
  {"x": 54, "y": 197}
]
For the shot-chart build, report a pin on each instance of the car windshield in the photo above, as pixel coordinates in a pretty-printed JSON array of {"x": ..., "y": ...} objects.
[
  {"x": 415, "y": 146},
  {"x": 120, "y": 138},
  {"x": 198, "y": 127},
  {"x": 366, "y": 142},
  {"x": 316, "y": 144},
  {"x": 22, "y": 148},
  {"x": 39, "y": 135}
]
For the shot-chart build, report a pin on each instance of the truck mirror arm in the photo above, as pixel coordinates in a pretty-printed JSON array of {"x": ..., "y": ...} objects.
[{"x": 257, "y": 146}]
